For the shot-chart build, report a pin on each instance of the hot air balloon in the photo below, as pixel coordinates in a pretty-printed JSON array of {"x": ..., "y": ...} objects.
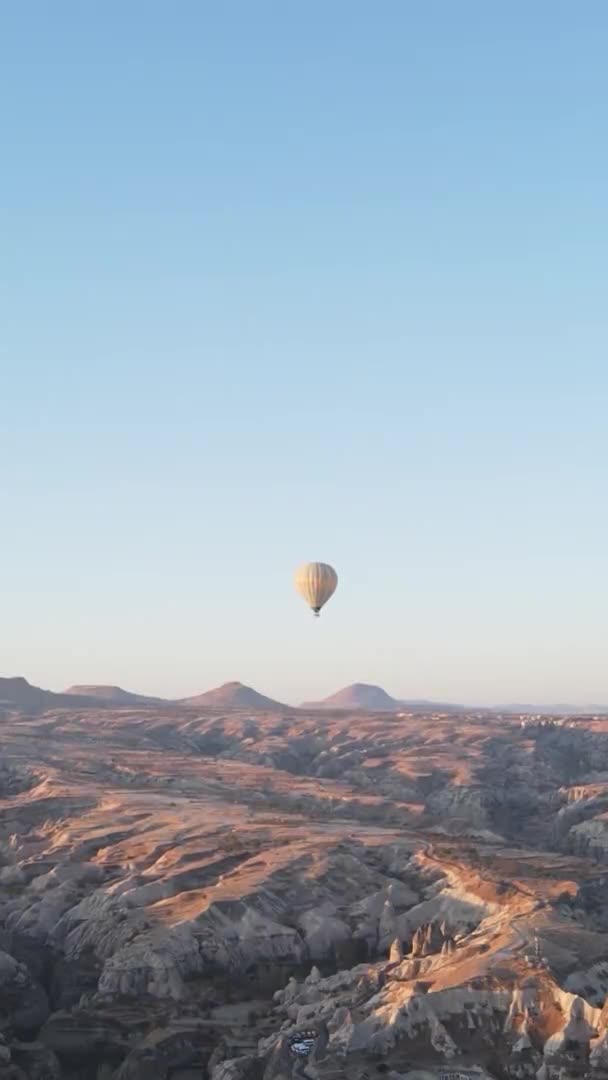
[{"x": 316, "y": 582}]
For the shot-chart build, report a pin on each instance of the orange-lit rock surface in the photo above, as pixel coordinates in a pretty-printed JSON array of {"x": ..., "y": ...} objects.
[{"x": 185, "y": 888}]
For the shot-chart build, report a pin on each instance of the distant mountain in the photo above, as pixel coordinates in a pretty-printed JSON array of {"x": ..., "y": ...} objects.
[
  {"x": 554, "y": 710},
  {"x": 20, "y": 694},
  {"x": 17, "y": 693},
  {"x": 365, "y": 698},
  {"x": 423, "y": 705},
  {"x": 358, "y": 696},
  {"x": 113, "y": 695},
  {"x": 233, "y": 695}
]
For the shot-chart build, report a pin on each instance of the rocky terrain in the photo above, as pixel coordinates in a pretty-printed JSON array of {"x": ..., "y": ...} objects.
[{"x": 199, "y": 891}]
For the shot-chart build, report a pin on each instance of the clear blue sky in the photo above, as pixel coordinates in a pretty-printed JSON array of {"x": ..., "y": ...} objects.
[{"x": 289, "y": 281}]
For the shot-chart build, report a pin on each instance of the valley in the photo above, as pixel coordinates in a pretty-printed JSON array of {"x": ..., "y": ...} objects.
[{"x": 187, "y": 891}]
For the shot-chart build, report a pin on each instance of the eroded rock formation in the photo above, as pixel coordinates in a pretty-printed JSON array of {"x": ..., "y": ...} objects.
[{"x": 185, "y": 895}]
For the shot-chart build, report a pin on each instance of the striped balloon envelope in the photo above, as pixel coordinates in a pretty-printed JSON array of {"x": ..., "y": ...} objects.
[{"x": 316, "y": 583}]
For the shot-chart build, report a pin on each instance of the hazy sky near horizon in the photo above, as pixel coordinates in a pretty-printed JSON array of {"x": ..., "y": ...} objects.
[{"x": 305, "y": 281}]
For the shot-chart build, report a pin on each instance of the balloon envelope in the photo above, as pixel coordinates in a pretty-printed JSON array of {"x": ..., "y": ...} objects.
[{"x": 316, "y": 583}]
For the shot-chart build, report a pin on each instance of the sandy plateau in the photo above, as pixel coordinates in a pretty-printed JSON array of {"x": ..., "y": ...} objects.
[{"x": 188, "y": 891}]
